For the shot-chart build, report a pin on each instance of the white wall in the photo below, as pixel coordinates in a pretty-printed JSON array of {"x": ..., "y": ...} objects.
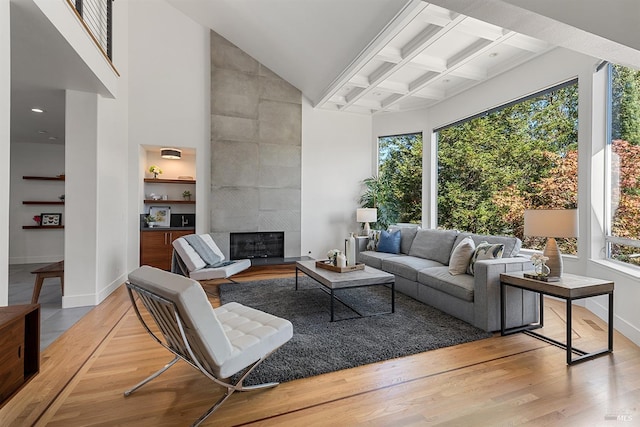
[
  {"x": 336, "y": 156},
  {"x": 30, "y": 246},
  {"x": 555, "y": 67},
  {"x": 169, "y": 95},
  {"x": 5, "y": 115}
]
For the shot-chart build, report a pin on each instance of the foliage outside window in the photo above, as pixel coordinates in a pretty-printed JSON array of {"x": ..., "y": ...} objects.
[
  {"x": 397, "y": 189},
  {"x": 623, "y": 240},
  {"x": 521, "y": 156}
]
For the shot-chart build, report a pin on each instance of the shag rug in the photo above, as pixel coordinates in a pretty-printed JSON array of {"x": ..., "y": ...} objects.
[{"x": 319, "y": 346}]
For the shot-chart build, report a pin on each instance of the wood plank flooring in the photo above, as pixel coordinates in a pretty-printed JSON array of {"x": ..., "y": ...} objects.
[{"x": 513, "y": 380}]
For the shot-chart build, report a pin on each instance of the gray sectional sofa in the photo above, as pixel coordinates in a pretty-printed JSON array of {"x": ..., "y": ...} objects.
[{"x": 422, "y": 272}]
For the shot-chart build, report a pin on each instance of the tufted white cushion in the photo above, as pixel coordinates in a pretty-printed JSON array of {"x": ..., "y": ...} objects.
[{"x": 253, "y": 334}]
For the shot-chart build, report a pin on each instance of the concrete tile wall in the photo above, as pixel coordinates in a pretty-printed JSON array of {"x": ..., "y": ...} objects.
[{"x": 256, "y": 141}]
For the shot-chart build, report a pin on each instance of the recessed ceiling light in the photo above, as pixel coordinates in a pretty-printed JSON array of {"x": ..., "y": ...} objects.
[
  {"x": 446, "y": 81},
  {"x": 493, "y": 54},
  {"x": 42, "y": 131},
  {"x": 53, "y": 138},
  {"x": 37, "y": 110}
]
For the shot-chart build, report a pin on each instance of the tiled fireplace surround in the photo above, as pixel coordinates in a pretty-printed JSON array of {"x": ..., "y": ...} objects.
[{"x": 256, "y": 138}]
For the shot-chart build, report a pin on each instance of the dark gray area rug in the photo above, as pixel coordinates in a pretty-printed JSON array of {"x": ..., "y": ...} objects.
[{"x": 319, "y": 346}]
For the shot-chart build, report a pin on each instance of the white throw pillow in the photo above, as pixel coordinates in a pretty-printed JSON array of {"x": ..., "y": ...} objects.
[{"x": 461, "y": 256}]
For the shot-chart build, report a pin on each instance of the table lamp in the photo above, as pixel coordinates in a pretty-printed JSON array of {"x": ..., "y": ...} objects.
[
  {"x": 551, "y": 223},
  {"x": 367, "y": 215}
]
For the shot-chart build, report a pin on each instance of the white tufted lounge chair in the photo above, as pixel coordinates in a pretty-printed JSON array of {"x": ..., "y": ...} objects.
[{"x": 218, "y": 342}]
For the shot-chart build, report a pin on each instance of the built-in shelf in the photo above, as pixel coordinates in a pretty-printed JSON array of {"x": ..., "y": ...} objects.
[
  {"x": 169, "y": 181},
  {"x": 173, "y": 202},
  {"x": 41, "y": 202},
  {"x": 41, "y": 227},
  {"x": 45, "y": 178}
]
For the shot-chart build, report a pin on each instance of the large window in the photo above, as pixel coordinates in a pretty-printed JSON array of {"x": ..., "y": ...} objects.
[
  {"x": 520, "y": 156},
  {"x": 397, "y": 189},
  {"x": 623, "y": 236}
]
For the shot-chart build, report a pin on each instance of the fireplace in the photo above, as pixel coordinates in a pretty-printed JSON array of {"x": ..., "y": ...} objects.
[{"x": 255, "y": 245}]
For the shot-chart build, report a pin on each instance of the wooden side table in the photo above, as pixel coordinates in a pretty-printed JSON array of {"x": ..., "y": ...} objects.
[{"x": 569, "y": 288}]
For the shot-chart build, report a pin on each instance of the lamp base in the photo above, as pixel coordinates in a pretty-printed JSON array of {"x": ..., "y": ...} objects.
[
  {"x": 555, "y": 258},
  {"x": 367, "y": 229}
]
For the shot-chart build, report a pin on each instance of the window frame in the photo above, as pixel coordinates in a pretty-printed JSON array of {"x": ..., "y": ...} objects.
[{"x": 609, "y": 238}]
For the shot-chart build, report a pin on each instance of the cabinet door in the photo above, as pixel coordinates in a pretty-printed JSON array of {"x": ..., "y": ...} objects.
[
  {"x": 155, "y": 249},
  {"x": 11, "y": 357}
]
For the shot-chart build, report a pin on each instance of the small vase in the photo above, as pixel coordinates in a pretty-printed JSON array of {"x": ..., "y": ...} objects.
[
  {"x": 542, "y": 270},
  {"x": 155, "y": 175}
]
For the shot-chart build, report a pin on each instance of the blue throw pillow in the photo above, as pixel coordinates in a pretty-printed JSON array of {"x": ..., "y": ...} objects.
[{"x": 389, "y": 242}]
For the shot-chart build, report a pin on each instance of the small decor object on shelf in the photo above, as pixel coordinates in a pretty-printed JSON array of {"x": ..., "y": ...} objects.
[
  {"x": 162, "y": 214},
  {"x": 150, "y": 220},
  {"x": 50, "y": 219},
  {"x": 61, "y": 197},
  {"x": 186, "y": 194},
  {"x": 155, "y": 170},
  {"x": 37, "y": 219}
]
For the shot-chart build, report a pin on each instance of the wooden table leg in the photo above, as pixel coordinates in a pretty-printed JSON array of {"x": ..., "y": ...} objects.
[{"x": 36, "y": 289}]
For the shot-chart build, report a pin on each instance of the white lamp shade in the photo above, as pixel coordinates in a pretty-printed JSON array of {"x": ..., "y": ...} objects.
[
  {"x": 551, "y": 222},
  {"x": 366, "y": 215}
]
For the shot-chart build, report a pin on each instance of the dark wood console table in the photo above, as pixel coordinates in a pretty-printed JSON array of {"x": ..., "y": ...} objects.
[
  {"x": 19, "y": 347},
  {"x": 569, "y": 288}
]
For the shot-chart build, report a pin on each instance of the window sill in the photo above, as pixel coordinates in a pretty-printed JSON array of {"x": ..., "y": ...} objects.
[{"x": 619, "y": 267}]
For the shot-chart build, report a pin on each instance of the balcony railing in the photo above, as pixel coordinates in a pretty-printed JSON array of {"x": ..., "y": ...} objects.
[{"x": 97, "y": 18}]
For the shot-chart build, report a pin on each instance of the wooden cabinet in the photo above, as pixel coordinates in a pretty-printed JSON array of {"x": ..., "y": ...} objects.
[
  {"x": 19, "y": 347},
  {"x": 156, "y": 249}
]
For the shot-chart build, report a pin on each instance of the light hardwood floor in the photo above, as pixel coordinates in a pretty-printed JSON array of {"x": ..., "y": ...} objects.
[{"x": 500, "y": 381}]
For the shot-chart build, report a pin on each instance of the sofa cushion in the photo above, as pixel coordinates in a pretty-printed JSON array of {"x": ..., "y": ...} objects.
[
  {"x": 485, "y": 251},
  {"x": 461, "y": 256},
  {"x": 433, "y": 244},
  {"x": 512, "y": 245},
  {"x": 460, "y": 286},
  {"x": 389, "y": 242},
  {"x": 407, "y": 234},
  {"x": 374, "y": 259},
  {"x": 407, "y": 266}
]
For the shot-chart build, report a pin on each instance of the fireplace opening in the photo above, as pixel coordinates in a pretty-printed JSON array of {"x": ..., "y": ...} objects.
[{"x": 254, "y": 245}]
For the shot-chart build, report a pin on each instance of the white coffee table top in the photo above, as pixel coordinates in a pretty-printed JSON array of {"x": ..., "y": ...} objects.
[{"x": 335, "y": 280}]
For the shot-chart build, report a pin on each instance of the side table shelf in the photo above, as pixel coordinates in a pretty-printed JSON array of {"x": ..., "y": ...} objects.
[{"x": 19, "y": 347}]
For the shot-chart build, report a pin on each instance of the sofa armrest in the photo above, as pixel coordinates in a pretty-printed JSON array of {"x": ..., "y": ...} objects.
[{"x": 522, "y": 305}]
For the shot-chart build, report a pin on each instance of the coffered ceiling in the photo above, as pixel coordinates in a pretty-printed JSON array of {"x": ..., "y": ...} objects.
[{"x": 426, "y": 55}]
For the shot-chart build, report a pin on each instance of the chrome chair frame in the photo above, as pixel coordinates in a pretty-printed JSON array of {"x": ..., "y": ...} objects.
[{"x": 166, "y": 316}]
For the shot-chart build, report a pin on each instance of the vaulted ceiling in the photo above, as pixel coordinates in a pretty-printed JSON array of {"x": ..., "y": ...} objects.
[
  {"x": 371, "y": 56},
  {"x": 364, "y": 56}
]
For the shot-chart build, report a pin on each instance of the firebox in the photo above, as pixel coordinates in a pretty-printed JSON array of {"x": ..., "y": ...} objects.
[{"x": 269, "y": 244}]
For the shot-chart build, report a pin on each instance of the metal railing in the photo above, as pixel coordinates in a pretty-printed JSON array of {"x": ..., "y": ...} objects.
[{"x": 97, "y": 17}]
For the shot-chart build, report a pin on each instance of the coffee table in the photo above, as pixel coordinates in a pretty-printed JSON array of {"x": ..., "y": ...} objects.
[{"x": 332, "y": 281}]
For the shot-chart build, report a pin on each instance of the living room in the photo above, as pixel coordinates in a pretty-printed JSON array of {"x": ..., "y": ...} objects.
[{"x": 337, "y": 152}]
